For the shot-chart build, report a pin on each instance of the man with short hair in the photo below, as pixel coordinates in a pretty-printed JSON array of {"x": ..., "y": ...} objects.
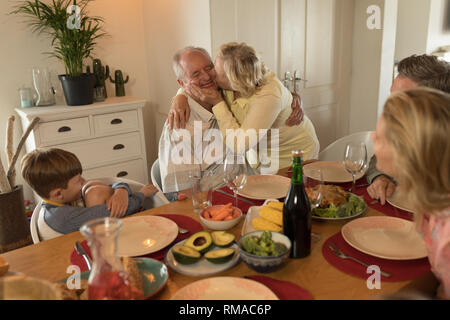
[
  {"x": 414, "y": 71},
  {"x": 181, "y": 150}
]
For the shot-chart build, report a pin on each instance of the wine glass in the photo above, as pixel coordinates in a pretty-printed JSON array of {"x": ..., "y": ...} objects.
[
  {"x": 355, "y": 159},
  {"x": 235, "y": 173},
  {"x": 315, "y": 182}
]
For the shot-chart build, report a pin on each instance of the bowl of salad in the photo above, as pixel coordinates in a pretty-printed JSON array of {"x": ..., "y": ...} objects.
[
  {"x": 335, "y": 203},
  {"x": 264, "y": 251}
]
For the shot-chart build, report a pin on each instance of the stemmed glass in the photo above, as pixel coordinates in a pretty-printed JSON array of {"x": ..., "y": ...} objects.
[
  {"x": 317, "y": 195},
  {"x": 235, "y": 173},
  {"x": 355, "y": 159}
]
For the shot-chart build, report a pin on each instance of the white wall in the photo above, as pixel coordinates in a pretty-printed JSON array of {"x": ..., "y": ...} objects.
[
  {"x": 170, "y": 25},
  {"x": 372, "y": 64},
  {"x": 21, "y": 50}
]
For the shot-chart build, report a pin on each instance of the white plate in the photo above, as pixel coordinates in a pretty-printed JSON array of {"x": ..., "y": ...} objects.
[
  {"x": 343, "y": 218},
  {"x": 202, "y": 267},
  {"x": 145, "y": 234},
  {"x": 252, "y": 213},
  {"x": 385, "y": 237},
  {"x": 333, "y": 171},
  {"x": 265, "y": 186},
  {"x": 399, "y": 200},
  {"x": 225, "y": 288}
]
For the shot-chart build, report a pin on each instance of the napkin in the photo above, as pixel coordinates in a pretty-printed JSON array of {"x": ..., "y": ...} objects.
[
  {"x": 220, "y": 198},
  {"x": 182, "y": 221},
  {"x": 401, "y": 270},
  {"x": 285, "y": 290}
]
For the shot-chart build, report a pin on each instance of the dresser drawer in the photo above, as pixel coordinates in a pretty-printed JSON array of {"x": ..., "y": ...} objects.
[
  {"x": 133, "y": 170},
  {"x": 102, "y": 151},
  {"x": 64, "y": 131},
  {"x": 112, "y": 123}
]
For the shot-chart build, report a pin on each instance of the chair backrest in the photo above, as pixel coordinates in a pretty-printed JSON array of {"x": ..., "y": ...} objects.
[
  {"x": 40, "y": 231},
  {"x": 335, "y": 150},
  {"x": 33, "y": 223},
  {"x": 156, "y": 175}
]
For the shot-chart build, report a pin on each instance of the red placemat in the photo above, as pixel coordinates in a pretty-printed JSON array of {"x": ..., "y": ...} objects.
[
  {"x": 220, "y": 198},
  {"x": 284, "y": 290},
  {"x": 401, "y": 270},
  {"x": 182, "y": 221}
]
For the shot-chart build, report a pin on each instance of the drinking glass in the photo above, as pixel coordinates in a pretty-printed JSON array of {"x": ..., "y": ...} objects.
[
  {"x": 235, "y": 173},
  {"x": 201, "y": 193},
  {"x": 316, "y": 182},
  {"x": 355, "y": 159}
]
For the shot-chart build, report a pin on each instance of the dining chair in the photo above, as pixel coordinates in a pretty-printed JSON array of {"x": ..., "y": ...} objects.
[
  {"x": 335, "y": 150},
  {"x": 40, "y": 231},
  {"x": 156, "y": 174}
]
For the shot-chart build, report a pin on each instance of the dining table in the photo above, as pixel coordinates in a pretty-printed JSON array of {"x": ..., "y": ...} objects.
[{"x": 50, "y": 260}]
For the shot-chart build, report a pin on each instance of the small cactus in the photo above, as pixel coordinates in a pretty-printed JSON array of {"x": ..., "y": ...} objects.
[
  {"x": 120, "y": 83},
  {"x": 101, "y": 74}
]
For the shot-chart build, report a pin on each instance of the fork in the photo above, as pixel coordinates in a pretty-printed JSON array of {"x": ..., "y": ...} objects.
[{"x": 342, "y": 255}]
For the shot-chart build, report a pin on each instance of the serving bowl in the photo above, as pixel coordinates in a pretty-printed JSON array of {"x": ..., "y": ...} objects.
[
  {"x": 265, "y": 264},
  {"x": 221, "y": 225}
]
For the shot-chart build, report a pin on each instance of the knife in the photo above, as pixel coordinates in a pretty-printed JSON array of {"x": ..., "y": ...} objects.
[
  {"x": 239, "y": 198},
  {"x": 80, "y": 250}
]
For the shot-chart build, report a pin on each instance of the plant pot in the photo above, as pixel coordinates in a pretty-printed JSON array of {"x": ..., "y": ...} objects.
[
  {"x": 78, "y": 90},
  {"x": 14, "y": 226}
]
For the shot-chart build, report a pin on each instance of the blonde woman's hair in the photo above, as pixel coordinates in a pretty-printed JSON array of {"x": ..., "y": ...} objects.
[
  {"x": 418, "y": 130},
  {"x": 243, "y": 66}
]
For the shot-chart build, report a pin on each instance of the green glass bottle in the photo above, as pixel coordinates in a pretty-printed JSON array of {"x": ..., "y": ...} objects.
[{"x": 297, "y": 211}]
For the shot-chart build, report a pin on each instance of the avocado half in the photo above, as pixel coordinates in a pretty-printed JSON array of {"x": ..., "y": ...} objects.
[
  {"x": 200, "y": 241},
  {"x": 185, "y": 255},
  {"x": 220, "y": 256},
  {"x": 222, "y": 238}
]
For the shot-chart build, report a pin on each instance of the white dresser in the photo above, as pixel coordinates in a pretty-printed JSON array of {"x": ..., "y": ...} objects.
[{"x": 107, "y": 137}]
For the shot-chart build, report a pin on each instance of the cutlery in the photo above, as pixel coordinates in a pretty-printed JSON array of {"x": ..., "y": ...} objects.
[
  {"x": 342, "y": 255},
  {"x": 239, "y": 198},
  {"x": 182, "y": 231},
  {"x": 80, "y": 250},
  {"x": 374, "y": 201}
]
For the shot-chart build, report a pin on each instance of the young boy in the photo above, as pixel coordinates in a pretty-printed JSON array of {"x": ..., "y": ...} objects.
[{"x": 68, "y": 200}]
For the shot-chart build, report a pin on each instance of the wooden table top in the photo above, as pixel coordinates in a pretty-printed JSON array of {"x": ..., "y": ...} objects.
[{"x": 49, "y": 260}]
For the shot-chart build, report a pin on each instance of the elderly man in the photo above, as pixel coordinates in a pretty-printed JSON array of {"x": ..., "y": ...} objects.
[
  {"x": 424, "y": 70},
  {"x": 181, "y": 151}
]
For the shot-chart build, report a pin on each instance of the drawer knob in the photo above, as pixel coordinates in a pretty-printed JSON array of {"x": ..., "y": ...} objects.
[
  {"x": 122, "y": 174},
  {"x": 116, "y": 121},
  {"x": 118, "y": 146},
  {"x": 64, "y": 129}
]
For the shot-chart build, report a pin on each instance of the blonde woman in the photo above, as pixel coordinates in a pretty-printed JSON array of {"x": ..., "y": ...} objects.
[
  {"x": 411, "y": 143},
  {"x": 253, "y": 98}
]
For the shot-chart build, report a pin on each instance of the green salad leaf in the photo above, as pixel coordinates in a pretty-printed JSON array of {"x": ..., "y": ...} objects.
[{"x": 353, "y": 206}]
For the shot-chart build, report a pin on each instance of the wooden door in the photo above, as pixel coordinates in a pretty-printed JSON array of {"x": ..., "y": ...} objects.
[{"x": 312, "y": 37}]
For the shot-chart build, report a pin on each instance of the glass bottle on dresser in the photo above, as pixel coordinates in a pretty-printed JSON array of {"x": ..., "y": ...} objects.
[{"x": 297, "y": 211}]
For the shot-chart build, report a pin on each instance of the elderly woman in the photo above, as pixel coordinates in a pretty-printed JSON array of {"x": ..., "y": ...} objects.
[
  {"x": 411, "y": 143},
  {"x": 253, "y": 98}
]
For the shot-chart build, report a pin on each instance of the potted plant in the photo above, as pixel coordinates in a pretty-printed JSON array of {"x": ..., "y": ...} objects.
[{"x": 73, "y": 34}]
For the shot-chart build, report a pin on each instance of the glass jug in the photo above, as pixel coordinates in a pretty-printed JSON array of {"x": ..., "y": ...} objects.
[
  {"x": 43, "y": 86},
  {"x": 107, "y": 280}
]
